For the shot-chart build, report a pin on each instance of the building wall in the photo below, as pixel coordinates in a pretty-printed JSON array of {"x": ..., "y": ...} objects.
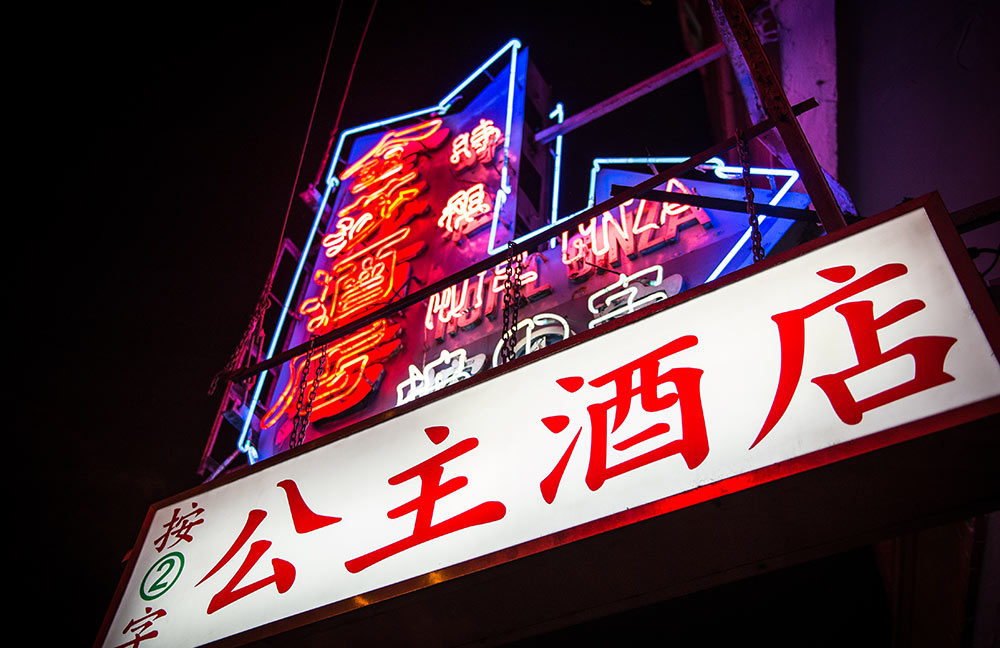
[{"x": 919, "y": 91}]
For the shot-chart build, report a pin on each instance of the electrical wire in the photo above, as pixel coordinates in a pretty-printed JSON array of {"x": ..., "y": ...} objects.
[
  {"x": 264, "y": 300},
  {"x": 343, "y": 99}
]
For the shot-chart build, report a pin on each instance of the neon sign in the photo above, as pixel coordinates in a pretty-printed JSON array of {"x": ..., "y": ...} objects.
[{"x": 465, "y": 211}]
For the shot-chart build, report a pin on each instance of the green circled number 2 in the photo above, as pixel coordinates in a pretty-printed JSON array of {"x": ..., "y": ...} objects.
[{"x": 164, "y": 573}]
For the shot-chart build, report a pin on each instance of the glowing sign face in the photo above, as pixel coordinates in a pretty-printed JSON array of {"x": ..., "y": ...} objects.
[
  {"x": 384, "y": 181},
  {"x": 664, "y": 412}
]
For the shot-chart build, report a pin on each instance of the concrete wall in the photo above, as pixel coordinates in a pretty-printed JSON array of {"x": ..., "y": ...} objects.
[{"x": 919, "y": 100}]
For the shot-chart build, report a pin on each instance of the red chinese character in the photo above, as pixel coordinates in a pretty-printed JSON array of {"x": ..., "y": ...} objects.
[
  {"x": 179, "y": 527},
  {"x": 431, "y": 490},
  {"x": 692, "y": 446},
  {"x": 303, "y": 519},
  {"x": 928, "y": 352},
  {"x": 140, "y": 625},
  {"x": 352, "y": 368}
]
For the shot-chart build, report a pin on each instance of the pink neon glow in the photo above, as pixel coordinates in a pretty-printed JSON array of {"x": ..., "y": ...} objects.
[
  {"x": 625, "y": 229},
  {"x": 479, "y": 144},
  {"x": 461, "y": 213}
]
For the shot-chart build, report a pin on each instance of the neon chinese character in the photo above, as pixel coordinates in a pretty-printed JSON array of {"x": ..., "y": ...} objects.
[
  {"x": 283, "y": 572},
  {"x": 461, "y": 155},
  {"x": 928, "y": 352},
  {"x": 179, "y": 527},
  {"x": 620, "y": 298},
  {"x": 359, "y": 283},
  {"x": 535, "y": 333},
  {"x": 430, "y": 472},
  {"x": 352, "y": 366},
  {"x": 384, "y": 181},
  {"x": 692, "y": 446},
  {"x": 367, "y": 278},
  {"x": 448, "y": 369},
  {"x": 480, "y": 144},
  {"x": 466, "y": 211},
  {"x": 140, "y": 625},
  {"x": 485, "y": 139}
]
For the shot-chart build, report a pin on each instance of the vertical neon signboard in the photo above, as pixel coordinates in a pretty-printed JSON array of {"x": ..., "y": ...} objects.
[{"x": 410, "y": 203}]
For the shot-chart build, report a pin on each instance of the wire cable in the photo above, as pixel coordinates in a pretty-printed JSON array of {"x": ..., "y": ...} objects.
[{"x": 343, "y": 99}]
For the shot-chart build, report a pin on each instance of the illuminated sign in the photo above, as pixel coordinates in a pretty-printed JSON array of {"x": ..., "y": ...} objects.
[
  {"x": 410, "y": 201},
  {"x": 851, "y": 344},
  {"x": 635, "y": 255}
]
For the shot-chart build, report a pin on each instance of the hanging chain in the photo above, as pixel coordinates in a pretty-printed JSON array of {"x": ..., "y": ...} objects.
[
  {"x": 254, "y": 328},
  {"x": 304, "y": 403},
  {"x": 511, "y": 304},
  {"x": 743, "y": 150}
]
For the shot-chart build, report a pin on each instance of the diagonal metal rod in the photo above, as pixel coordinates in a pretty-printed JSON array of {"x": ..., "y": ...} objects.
[
  {"x": 629, "y": 95},
  {"x": 724, "y": 204},
  {"x": 528, "y": 244},
  {"x": 774, "y": 101}
]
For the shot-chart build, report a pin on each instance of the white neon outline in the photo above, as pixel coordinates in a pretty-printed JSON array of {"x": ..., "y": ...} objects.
[
  {"x": 559, "y": 114},
  {"x": 243, "y": 444},
  {"x": 793, "y": 177}
]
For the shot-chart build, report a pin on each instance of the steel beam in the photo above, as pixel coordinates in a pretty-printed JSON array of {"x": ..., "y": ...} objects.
[
  {"x": 723, "y": 204},
  {"x": 775, "y": 103}
]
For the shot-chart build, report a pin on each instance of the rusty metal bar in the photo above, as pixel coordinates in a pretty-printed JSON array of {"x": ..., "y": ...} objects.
[
  {"x": 724, "y": 204},
  {"x": 775, "y": 103},
  {"x": 530, "y": 243},
  {"x": 629, "y": 95}
]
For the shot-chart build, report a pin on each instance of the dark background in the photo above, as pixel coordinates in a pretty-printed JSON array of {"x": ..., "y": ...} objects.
[{"x": 161, "y": 153}]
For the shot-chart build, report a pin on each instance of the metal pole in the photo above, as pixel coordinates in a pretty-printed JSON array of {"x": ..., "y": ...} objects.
[
  {"x": 629, "y": 95},
  {"x": 775, "y": 103}
]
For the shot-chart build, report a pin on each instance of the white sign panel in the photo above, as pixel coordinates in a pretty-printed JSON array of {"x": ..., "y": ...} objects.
[{"x": 856, "y": 337}]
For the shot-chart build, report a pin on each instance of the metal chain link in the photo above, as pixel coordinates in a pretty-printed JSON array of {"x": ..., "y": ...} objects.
[
  {"x": 756, "y": 241},
  {"x": 511, "y": 304},
  {"x": 303, "y": 404},
  {"x": 254, "y": 328}
]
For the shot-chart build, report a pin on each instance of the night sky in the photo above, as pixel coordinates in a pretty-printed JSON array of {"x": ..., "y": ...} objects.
[{"x": 162, "y": 150}]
